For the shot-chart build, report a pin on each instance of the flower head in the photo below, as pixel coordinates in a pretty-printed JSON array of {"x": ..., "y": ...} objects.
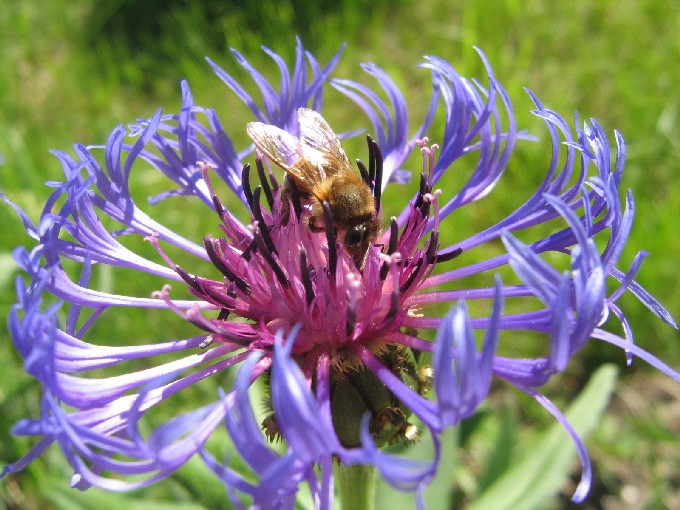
[{"x": 349, "y": 345}]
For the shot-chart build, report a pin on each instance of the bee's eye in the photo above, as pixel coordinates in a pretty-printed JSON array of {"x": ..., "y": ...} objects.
[{"x": 355, "y": 236}]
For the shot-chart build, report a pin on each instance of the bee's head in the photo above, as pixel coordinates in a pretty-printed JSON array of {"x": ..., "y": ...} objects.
[{"x": 358, "y": 238}]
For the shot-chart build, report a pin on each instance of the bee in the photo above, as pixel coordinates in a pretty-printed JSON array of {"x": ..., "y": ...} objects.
[{"x": 321, "y": 170}]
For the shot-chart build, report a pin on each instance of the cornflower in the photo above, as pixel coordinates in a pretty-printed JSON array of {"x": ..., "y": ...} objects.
[{"x": 348, "y": 348}]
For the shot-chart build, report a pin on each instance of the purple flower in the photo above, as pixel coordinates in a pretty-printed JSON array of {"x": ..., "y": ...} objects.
[{"x": 348, "y": 350}]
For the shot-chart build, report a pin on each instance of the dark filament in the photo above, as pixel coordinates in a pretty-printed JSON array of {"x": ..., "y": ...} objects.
[
  {"x": 245, "y": 182},
  {"x": 421, "y": 191},
  {"x": 222, "y": 267},
  {"x": 394, "y": 237},
  {"x": 219, "y": 208},
  {"x": 306, "y": 277},
  {"x": 262, "y": 246},
  {"x": 190, "y": 280},
  {"x": 364, "y": 173},
  {"x": 377, "y": 187},
  {"x": 449, "y": 255},
  {"x": 394, "y": 303},
  {"x": 330, "y": 237},
  {"x": 257, "y": 212},
  {"x": 265, "y": 183},
  {"x": 275, "y": 183},
  {"x": 412, "y": 277},
  {"x": 294, "y": 196},
  {"x": 371, "y": 159},
  {"x": 430, "y": 254},
  {"x": 250, "y": 249}
]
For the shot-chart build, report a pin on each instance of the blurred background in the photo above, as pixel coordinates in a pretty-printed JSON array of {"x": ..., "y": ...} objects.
[{"x": 72, "y": 70}]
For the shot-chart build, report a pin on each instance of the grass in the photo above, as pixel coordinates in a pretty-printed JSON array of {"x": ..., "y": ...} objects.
[{"x": 74, "y": 70}]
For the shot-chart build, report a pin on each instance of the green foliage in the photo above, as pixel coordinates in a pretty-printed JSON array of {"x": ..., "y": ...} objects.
[
  {"x": 538, "y": 472},
  {"x": 72, "y": 70}
]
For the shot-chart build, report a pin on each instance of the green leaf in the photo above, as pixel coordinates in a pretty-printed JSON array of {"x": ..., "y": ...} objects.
[
  {"x": 439, "y": 493},
  {"x": 538, "y": 477},
  {"x": 7, "y": 268},
  {"x": 65, "y": 498},
  {"x": 503, "y": 447}
]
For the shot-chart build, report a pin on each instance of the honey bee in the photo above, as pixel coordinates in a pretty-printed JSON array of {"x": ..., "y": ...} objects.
[{"x": 321, "y": 170}]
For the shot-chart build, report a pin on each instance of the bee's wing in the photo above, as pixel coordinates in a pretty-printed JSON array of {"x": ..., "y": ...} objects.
[
  {"x": 286, "y": 151},
  {"x": 321, "y": 144},
  {"x": 280, "y": 146}
]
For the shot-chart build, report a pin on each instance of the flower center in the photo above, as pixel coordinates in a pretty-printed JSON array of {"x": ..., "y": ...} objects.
[{"x": 285, "y": 268}]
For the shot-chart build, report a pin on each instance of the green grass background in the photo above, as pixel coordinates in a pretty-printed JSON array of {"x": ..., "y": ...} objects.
[{"x": 72, "y": 70}]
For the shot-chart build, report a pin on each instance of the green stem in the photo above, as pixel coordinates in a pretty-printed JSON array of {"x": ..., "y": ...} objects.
[{"x": 356, "y": 486}]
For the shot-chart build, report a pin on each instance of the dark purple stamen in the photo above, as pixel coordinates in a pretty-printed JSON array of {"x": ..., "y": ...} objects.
[
  {"x": 306, "y": 277},
  {"x": 217, "y": 261},
  {"x": 262, "y": 246},
  {"x": 330, "y": 237},
  {"x": 245, "y": 182},
  {"x": 257, "y": 213},
  {"x": 219, "y": 208},
  {"x": 391, "y": 247},
  {"x": 394, "y": 235},
  {"x": 425, "y": 208},
  {"x": 364, "y": 174},
  {"x": 188, "y": 279},
  {"x": 430, "y": 254},
  {"x": 394, "y": 304},
  {"x": 216, "y": 329},
  {"x": 250, "y": 249},
  {"x": 445, "y": 256},
  {"x": 224, "y": 313},
  {"x": 371, "y": 161},
  {"x": 412, "y": 277},
  {"x": 274, "y": 182},
  {"x": 265, "y": 183},
  {"x": 294, "y": 196},
  {"x": 421, "y": 191},
  {"x": 377, "y": 187}
]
